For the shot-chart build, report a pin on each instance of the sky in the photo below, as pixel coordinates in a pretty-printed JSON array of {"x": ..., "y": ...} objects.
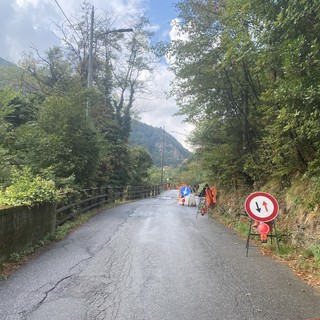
[{"x": 30, "y": 23}]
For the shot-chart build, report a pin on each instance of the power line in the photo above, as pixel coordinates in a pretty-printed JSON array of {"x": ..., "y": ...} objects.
[
  {"x": 56, "y": 1},
  {"x": 71, "y": 25},
  {"x": 62, "y": 11}
]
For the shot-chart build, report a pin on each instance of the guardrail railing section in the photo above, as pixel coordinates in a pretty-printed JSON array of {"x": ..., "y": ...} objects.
[{"x": 73, "y": 203}]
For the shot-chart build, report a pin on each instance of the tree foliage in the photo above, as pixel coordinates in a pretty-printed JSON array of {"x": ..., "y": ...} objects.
[
  {"x": 247, "y": 76},
  {"x": 27, "y": 189},
  {"x": 140, "y": 162}
]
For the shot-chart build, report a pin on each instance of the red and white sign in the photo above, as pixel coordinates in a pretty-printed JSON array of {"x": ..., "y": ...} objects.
[{"x": 262, "y": 206}]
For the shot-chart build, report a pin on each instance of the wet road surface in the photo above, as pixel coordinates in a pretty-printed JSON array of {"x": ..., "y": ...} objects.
[{"x": 153, "y": 260}]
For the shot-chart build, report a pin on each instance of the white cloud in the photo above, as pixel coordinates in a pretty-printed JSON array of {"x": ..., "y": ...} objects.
[
  {"x": 27, "y": 23},
  {"x": 176, "y": 33},
  {"x": 159, "y": 111},
  {"x": 25, "y": 3}
]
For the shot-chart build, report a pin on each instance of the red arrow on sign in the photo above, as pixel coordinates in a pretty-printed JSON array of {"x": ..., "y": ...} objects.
[
  {"x": 265, "y": 205},
  {"x": 262, "y": 206}
]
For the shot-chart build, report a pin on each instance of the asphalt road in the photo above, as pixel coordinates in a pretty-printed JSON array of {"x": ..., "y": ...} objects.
[{"x": 153, "y": 260}]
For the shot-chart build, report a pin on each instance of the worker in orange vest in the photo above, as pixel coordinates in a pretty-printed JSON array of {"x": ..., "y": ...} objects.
[
  {"x": 214, "y": 194},
  {"x": 211, "y": 196}
]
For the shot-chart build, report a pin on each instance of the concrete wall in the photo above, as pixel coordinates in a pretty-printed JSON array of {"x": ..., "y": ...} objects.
[{"x": 21, "y": 227}]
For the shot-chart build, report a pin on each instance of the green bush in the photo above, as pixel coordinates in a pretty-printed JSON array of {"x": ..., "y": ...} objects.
[{"x": 27, "y": 189}]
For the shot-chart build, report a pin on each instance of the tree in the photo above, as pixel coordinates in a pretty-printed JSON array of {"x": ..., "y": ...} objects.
[
  {"x": 16, "y": 109},
  {"x": 246, "y": 77},
  {"x": 121, "y": 63},
  {"x": 124, "y": 78},
  {"x": 140, "y": 161},
  {"x": 215, "y": 85},
  {"x": 292, "y": 101},
  {"x": 6, "y": 109},
  {"x": 61, "y": 139}
]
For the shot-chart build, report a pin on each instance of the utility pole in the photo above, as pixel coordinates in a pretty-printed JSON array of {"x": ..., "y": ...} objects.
[
  {"x": 162, "y": 156},
  {"x": 90, "y": 58},
  {"x": 89, "y": 84}
]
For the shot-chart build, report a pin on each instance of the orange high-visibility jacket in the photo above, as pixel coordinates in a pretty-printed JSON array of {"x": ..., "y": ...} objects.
[
  {"x": 211, "y": 196},
  {"x": 214, "y": 194}
]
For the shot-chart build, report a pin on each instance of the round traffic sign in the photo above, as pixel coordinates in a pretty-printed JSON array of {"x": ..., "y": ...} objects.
[
  {"x": 261, "y": 206},
  {"x": 185, "y": 191}
]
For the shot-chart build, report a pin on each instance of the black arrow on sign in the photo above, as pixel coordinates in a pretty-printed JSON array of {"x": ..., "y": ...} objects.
[{"x": 258, "y": 208}]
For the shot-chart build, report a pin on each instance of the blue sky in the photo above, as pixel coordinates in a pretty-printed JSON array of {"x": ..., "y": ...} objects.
[
  {"x": 30, "y": 23},
  {"x": 162, "y": 13}
]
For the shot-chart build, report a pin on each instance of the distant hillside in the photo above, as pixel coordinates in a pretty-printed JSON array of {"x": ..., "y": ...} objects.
[
  {"x": 152, "y": 139},
  {"x": 15, "y": 77},
  {"x": 10, "y": 74},
  {"x": 5, "y": 63}
]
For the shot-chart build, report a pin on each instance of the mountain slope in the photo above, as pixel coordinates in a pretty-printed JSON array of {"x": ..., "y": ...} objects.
[
  {"x": 5, "y": 63},
  {"x": 153, "y": 138},
  {"x": 10, "y": 75}
]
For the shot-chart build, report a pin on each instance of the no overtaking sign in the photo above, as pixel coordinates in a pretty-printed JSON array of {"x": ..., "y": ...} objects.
[{"x": 262, "y": 206}]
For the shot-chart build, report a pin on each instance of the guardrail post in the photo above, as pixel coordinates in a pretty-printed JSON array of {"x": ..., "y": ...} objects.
[{"x": 106, "y": 194}]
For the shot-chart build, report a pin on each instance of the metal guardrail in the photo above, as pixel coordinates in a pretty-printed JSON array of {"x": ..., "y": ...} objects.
[{"x": 71, "y": 204}]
